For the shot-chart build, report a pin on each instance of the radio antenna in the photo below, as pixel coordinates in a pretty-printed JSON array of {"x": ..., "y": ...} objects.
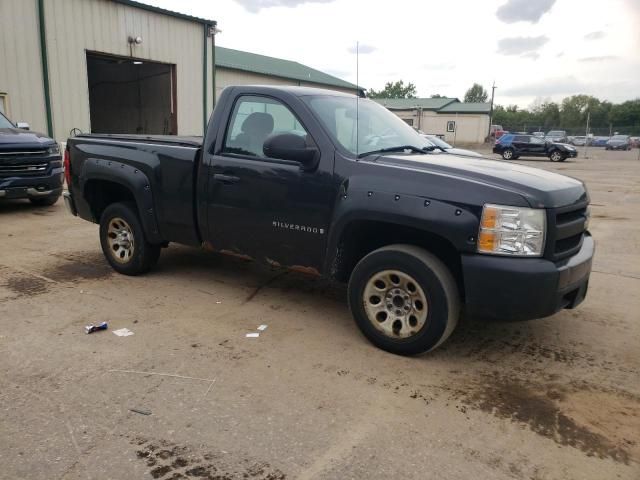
[{"x": 357, "y": 96}]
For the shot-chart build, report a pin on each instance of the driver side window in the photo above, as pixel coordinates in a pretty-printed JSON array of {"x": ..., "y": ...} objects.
[{"x": 254, "y": 119}]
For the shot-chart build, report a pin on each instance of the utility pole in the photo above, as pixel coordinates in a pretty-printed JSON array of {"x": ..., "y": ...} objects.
[
  {"x": 493, "y": 90},
  {"x": 586, "y": 135}
]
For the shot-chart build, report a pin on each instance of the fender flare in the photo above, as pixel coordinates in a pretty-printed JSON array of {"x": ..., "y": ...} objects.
[
  {"x": 456, "y": 224},
  {"x": 133, "y": 180}
]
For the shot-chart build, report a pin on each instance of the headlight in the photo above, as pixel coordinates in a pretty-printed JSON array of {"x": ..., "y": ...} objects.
[
  {"x": 53, "y": 150},
  {"x": 508, "y": 230}
]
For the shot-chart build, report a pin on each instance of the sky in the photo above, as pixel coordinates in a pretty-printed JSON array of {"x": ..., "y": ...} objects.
[{"x": 534, "y": 50}]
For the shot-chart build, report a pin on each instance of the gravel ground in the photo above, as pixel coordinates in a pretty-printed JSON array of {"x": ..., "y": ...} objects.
[{"x": 190, "y": 396}]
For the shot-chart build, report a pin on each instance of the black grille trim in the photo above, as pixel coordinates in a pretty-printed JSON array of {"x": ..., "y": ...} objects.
[{"x": 566, "y": 229}]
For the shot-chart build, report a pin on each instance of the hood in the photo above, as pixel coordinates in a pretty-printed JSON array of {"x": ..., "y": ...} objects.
[
  {"x": 567, "y": 145},
  {"x": 462, "y": 151},
  {"x": 539, "y": 187},
  {"x": 16, "y": 137}
]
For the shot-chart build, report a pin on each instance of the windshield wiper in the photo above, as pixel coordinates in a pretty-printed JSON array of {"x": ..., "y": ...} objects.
[{"x": 399, "y": 148}]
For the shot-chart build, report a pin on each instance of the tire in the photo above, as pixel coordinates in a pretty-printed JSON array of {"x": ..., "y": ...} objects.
[
  {"x": 123, "y": 241},
  {"x": 507, "y": 153},
  {"x": 45, "y": 201},
  {"x": 556, "y": 156},
  {"x": 423, "y": 291}
]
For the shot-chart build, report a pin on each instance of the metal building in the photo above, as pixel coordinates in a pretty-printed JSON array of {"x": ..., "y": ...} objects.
[
  {"x": 120, "y": 66},
  {"x": 455, "y": 121}
]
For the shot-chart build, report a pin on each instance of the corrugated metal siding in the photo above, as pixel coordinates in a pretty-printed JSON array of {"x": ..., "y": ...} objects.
[
  {"x": 20, "y": 66},
  {"x": 75, "y": 26}
]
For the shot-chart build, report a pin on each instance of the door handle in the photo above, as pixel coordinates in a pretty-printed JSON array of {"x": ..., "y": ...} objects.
[{"x": 226, "y": 179}]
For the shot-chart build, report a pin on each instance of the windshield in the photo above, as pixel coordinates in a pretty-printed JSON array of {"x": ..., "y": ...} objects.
[
  {"x": 438, "y": 142},
  {"x": 5, "y": 123},
  {"x": 377, "y": 127},
  {"x": 619, "y": 137},
  {"x": 555, "y": 133}
]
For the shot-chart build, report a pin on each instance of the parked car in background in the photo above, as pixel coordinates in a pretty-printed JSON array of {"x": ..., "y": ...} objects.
[
  {"x": 538, "y": 134},
  {"x": 445, "y": 147},
  {"x": 619, "y": 142},
  {"x": 600, "y": 141},
  {"x": 635, "y": 142},
  {"x": 497, "y": 131},
  {"x": 30, "y": 164},
  {"x": 512, "y": 146},
  {"x": 580, "y": 141},
  {"x": 557, "y": 136}
]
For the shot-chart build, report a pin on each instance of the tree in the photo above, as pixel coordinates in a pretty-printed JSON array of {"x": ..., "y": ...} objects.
[
  {"x": 394, "y": 90},
  {"x": 626, "y": 114},
  {"x": 437, "y": 95},
  {"x": 476, "y": 94}
]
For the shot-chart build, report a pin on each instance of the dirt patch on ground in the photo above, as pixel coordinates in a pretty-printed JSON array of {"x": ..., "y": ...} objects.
[
  {"x": 90, "y": 266},
  {"x": 169, "y": 461},
  {"x": 27, "y": 285},
  {"x": 565, "y": 416}
]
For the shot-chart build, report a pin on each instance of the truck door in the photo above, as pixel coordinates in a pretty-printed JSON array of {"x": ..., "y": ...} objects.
[{"x": 267, "y": 208}]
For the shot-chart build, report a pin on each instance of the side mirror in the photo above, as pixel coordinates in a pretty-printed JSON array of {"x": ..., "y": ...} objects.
[
  {"x": 23, "y": 125},
  {"x": 289, "y": 146}
]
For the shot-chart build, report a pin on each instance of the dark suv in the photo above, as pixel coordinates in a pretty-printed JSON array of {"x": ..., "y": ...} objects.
[
  {"x": 512, "y": 146},
  {"x": 30, "y": 165}
]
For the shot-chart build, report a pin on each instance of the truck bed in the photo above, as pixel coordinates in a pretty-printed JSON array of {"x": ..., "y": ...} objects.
[
  {"x": 169, "y": 163},
  {"x": 184, "y": 141}
]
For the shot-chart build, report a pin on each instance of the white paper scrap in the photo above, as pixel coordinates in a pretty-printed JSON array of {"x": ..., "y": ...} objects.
[
  {"x": 262, "y": 327},
  {"x": 123, "y": 332},
  {"x": 253, "y": 335}
]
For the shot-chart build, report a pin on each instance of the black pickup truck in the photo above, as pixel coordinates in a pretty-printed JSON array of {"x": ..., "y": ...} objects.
[
  {"x": 330, "y": 184},
  {"x": 30, "y": 165}
]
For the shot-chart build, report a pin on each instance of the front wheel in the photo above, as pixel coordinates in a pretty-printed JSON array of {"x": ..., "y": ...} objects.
[
  {"x": 404, "y": 299},
  {"x": 556, "y": 156},
  {"x": 123, "y": 240}
]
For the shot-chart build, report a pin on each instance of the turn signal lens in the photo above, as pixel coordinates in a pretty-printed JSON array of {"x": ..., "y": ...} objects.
[
  {"x": 486, "y": 241},
  {"x": 489, "y": 217}
]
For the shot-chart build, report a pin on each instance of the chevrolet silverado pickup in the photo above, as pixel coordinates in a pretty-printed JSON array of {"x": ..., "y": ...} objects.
[
  {"x": 30, "y": 165},
  {"x": 331, "y": 184}
]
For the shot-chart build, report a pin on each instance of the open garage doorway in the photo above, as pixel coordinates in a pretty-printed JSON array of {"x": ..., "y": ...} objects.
[{"x": 128, "y": 95}]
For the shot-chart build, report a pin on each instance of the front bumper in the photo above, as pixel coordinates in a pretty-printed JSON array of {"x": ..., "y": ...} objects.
[
  {"x": 48, "y": 185},
  {"x": 571, "y": 153},
  {"x": 526, "y": 288}
]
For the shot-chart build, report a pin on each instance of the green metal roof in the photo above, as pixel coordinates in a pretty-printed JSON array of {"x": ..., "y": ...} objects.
[
  {"x": 439, "y": 105},
  {"x": 412, "y": 103},
  {"x": 164, "y": 11},
  {"x": 460, "y": 107},
  {"x": 252, "y": 62}
]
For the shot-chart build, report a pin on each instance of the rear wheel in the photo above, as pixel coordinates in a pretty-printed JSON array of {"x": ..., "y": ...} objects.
[
  {"x": 404, "y": 299},
  {"x": 507, "y": 154},
  {"x": 45, "y": 201},
  {"x": 123, "y": 241},
  {"x": 556, "y": 156}
]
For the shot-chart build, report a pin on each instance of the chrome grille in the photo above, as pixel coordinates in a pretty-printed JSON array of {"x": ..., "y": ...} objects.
[
  {"x": 19, "y": 153},
  {"x": 23, "y": 169}
]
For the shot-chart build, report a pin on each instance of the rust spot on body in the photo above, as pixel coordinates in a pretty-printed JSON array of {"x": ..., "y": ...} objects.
[
  {"x": 305, "y": 270},
  {"x": 241, "y": 256}
]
